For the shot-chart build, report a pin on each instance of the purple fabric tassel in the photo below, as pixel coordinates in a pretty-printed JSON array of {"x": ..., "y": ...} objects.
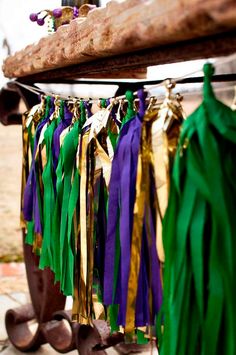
[
  {"x": 31, "y": 203},
  {"x": 122, "y": 198},
  {"x": 30, "y": 188},
  {"x": 88, "y": 108},
  {"x": 122, "y": 192},
  {"x": 128, "y": 159}
]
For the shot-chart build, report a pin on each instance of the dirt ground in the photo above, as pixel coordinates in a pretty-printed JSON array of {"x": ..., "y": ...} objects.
[{"x": 10, "y": 182}]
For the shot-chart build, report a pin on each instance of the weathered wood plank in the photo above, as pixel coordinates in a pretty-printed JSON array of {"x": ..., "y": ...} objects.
[
  {"x": 116, "y": 66},
  {"x": 127, "y": 27}
]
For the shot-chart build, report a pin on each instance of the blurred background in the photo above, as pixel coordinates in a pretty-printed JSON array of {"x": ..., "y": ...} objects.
[{"x": 16, "y": 31}]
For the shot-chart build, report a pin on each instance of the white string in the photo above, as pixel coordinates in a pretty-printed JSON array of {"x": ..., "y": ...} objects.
[
  {"x": 191, "y": 92},
  {"x": 27, "y": 87},
  {"x": 39, "y": 91},
  {"x": 217, "y": 63},
  {"x": 219, "y": 89}
]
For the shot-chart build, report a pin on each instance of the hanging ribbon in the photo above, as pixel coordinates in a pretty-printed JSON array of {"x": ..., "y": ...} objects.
[{"x": 199, "y": 234}]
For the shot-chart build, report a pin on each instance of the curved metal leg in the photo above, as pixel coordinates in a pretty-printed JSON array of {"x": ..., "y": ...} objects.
[
  {"x": 46, "y": 300},
  {"x": 60, "y": 332}
]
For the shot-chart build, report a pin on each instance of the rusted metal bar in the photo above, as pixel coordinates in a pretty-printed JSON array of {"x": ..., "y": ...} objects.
[
  {"x": 46, "y": 300},
  {"x": 61, "y": 332}
]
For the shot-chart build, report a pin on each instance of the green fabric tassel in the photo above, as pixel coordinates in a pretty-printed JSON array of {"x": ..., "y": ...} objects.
[
  {"x": 199, "y": 230},
  {"x": 130, "y": 109}
]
